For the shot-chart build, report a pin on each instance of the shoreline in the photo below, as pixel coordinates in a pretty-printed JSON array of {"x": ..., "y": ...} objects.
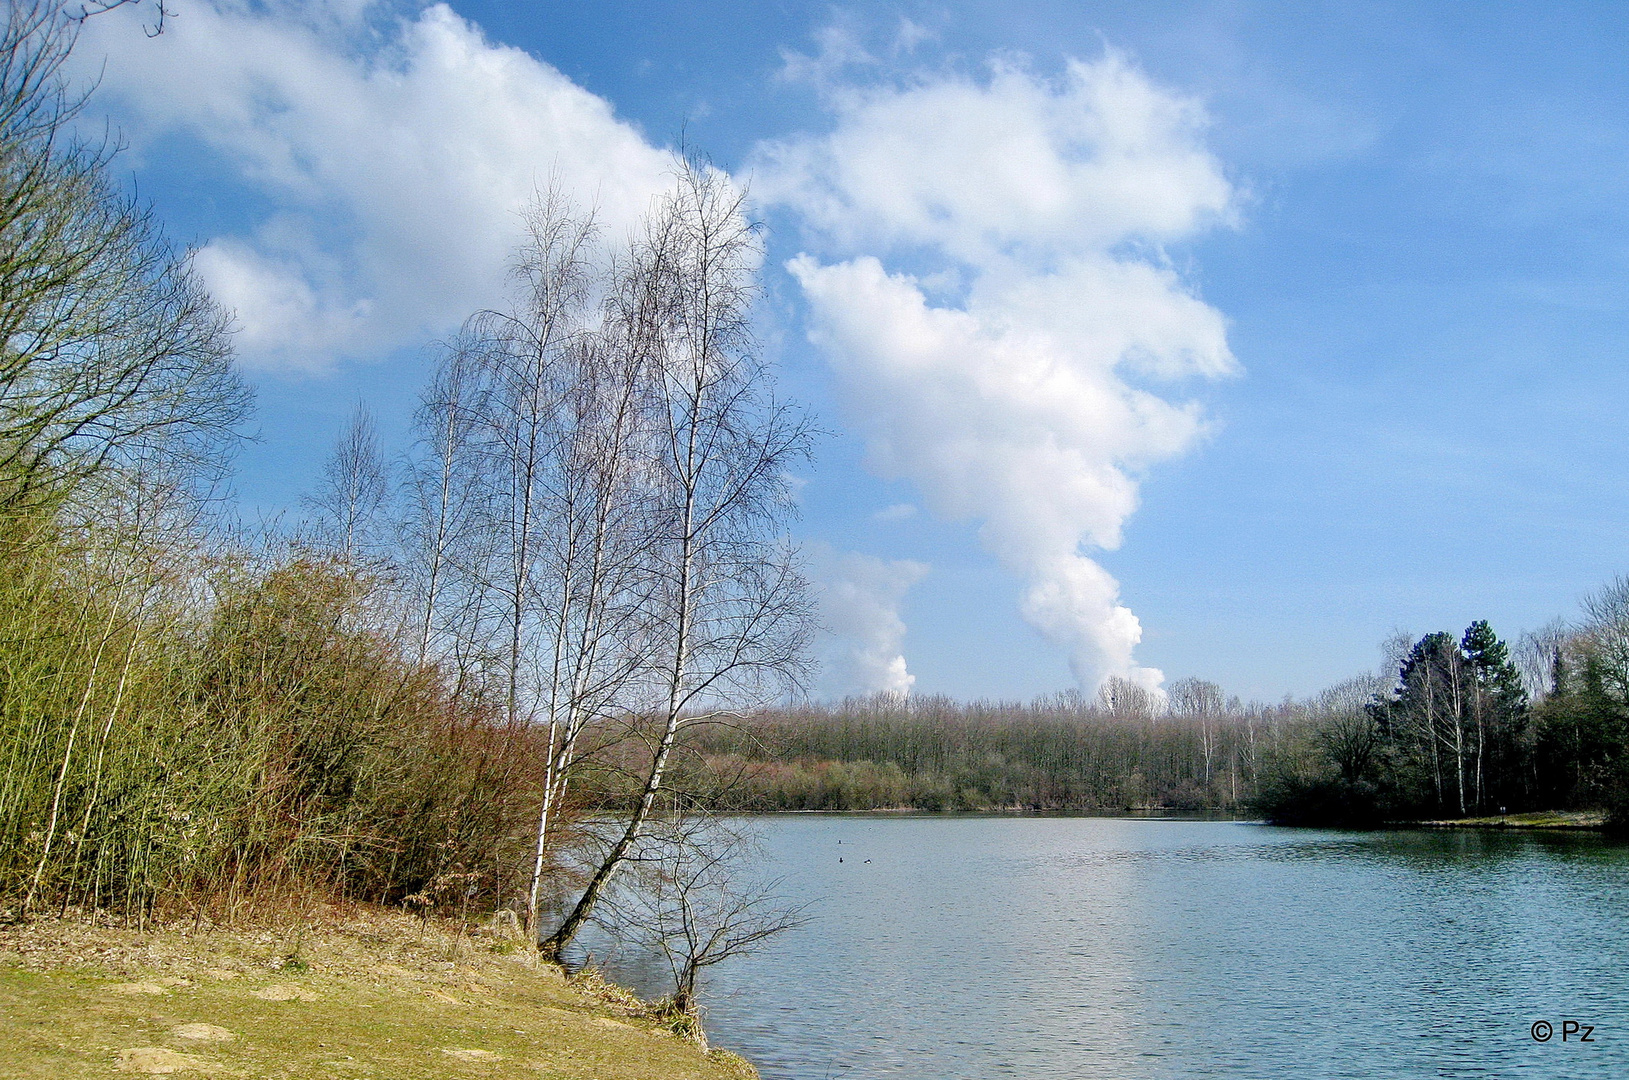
[
  {"x": 337, "y": 994},
  {"x": 1537, "y": 821},
  {"x": 1138, "y": 814}
]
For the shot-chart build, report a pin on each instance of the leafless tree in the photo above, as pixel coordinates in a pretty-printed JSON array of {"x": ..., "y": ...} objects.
[
  {"x": 351, "y": 491},
  {"x": 1346, "y": 729},
  {"x": 524, "y": 374},
  {"x": 726, "y": 613},
  {"x": 1125, "y": 699},
  {"x": 1536, "y": 654},
  {"x": 693, "y": 899},
  {"x": 109, "y": 345},
  {"x": 533, "y": 493},
  {"x": 601, "y": 528},
  {"x": 1200, "y": 703},
  {"x": 1394, "y": 650},
  {"x": 1605, "y": 627},
  {"x": 442, "y": 501}
]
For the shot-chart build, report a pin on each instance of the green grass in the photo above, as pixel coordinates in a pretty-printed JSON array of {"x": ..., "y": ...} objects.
[
  {"x": 382, "y": 998},
  {"x": 1542, "y": 819}
]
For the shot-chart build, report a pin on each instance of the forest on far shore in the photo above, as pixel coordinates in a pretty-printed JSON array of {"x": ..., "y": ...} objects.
[{"x": 1455, "y": 727}]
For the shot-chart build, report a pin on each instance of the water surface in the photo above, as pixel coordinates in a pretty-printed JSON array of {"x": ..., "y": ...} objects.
[{"x": 958, "y": 947}]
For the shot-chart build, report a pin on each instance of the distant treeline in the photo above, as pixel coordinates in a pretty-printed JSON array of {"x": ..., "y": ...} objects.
[
  {"x": 1460, "y": 730},
  {"x": 1064, "y": 752}
]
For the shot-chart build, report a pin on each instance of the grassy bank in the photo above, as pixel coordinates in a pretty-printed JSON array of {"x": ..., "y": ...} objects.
[
  {"x": 1590, "y": 820},
  {"x": 364, "y": 994}
]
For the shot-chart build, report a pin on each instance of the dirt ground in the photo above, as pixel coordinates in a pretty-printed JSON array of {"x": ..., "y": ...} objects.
[{"x": 363, "y": 994}]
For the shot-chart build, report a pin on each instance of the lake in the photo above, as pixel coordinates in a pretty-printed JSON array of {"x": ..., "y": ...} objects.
[{"x": 971, "y": 947}]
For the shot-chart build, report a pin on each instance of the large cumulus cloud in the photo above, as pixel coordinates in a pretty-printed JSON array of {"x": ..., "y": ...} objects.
[{"x": 1012, "y": 374}]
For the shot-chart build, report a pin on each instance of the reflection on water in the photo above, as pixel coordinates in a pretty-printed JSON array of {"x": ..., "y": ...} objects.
[{"x": 1086, "y": 947}]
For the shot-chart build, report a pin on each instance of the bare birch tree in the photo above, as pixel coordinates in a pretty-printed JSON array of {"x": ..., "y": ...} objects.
[
  {"x": 351, "y": 491},
  {"x": 523, "y": 369},
  {"x": 533, "y": 497},
  {"x": 601, "y": 529},
  {"x": 727, "y": 615},
  {"x": 441, "y": 505}
]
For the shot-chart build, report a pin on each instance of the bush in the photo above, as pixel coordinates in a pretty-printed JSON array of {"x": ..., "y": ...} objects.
[{"x": 274, "y": 737}]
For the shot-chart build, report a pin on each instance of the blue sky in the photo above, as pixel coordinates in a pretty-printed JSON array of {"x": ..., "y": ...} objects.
[{"x": 1409, "y": 220}]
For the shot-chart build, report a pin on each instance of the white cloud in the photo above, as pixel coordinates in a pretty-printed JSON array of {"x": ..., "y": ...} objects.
[
  {"x": 1047, "y": 201},
  {"x": 859, "y": 606},
  {"x": 837, "y": 48},
  {"x": 1013, "y": 165},
  {"x": 896, "y": 512},
  {"x": 401, "y": 151},
  {"x": 840, "y": 47}
]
